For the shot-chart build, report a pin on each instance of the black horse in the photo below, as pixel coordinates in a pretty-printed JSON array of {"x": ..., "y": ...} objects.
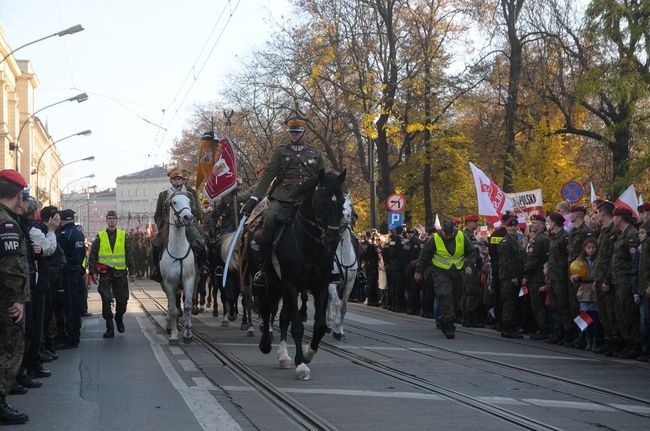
[{"x": 305, "y": 254}]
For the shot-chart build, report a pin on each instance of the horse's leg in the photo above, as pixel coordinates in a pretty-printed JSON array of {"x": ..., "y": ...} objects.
[
  {"x": 195, "y": 298},
  {"x": 189, "y": 287},
  {"x": 304, "y": 296},
  {"x": 208, "y": 292},
  {"x": 231, "y": 297},
  {"x": 265, "y": 311},
  {"x": 172, "y": 313},
  {"x": 349, "y": 279},
  {"x": 179, "y": 306},
  {"x": 290, "y": 310},
  {"x": 224, "y": 305},
  {"x": 320, "y": 326},
  {"x": 283, "y": 355},
  {"x": 334, "y": 314}
]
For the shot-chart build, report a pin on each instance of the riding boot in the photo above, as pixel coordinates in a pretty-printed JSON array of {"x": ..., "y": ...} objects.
[
  {"x": 266, "y": 249},
  {"x": 155, "y": 274}
]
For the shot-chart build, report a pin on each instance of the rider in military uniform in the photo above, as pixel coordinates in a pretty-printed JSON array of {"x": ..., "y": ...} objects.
[
  {"x": 510, "y": 274},
  {"x": 449, "y": 251},
  {"x": 290, "y": 165},
  {"x": 110, "y": 257},
  {"x": 13, "y": 290},
  {"x": 177, "y": 179}
]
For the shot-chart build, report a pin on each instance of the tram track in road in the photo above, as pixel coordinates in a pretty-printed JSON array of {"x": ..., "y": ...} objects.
[{"x": 292, "y": 408}]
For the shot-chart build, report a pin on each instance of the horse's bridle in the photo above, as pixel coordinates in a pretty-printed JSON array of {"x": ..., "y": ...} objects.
[
  {"x": 318, "y": 223},
  {"x": 178, "y": 222}
]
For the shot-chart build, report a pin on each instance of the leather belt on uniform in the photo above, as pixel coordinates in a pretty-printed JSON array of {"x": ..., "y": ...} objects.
[{"x": 294, "y": 180}]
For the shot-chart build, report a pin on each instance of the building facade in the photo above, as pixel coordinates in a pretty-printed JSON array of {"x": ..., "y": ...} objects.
[
  {"x": 137, "y": 194},
  {"x": 23, "y": 137},
  {"x": 91, "y": 209}
]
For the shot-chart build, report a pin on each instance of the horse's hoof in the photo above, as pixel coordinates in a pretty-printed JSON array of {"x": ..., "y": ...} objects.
[
  {"x": 173, "y": 342},
  {"x": 225, "y": 323},
  {"x": 303, "y": 372},
  {"x": 201, "y": 309},
  {"x": 338, "y": 336},
  {"x": 250, "y": 332},
  {"x": 195, "y": 311},
  {"x": 303, "y": 315},
  {"x": 209, "y": 304},
  {"x": 265, "y": 343},
  {"x": 232, "y": 317},
  {"x": 187, "y": 340},
  {"x": 285, "y": 362},
  {"x": 308, "y": 353},
  {"x": 328, "y": 330},
  {"x": 243, "y": 326},
  {"x": 215, "y": 312},
  {"x": 169, "y": 331}
]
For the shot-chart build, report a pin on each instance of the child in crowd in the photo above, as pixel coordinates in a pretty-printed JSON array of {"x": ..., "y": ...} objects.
[
  {"x": 586, "y": 294},
  {"x": 641, "y": 271}
]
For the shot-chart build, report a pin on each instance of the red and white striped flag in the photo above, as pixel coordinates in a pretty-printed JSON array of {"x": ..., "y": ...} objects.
[
  {"x": 629, "y": 200},
  {"x": 223, "y": 175},
  {"x": 583, "y": 320},
  {"x": 492, "y": 202},
  {"x": 523, "y": 291}
]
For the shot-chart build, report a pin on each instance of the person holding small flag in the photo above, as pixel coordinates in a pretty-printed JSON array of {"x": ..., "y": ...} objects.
[
  {"x": 511, "y": 266},
  {"x": 582, "y": 275}
]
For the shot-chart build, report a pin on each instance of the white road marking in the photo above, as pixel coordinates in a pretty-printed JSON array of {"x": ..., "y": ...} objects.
[
  {"x": 187, "y": 365},
  {"x": 523, "y": 355},
  {"x": 501, "y": 400},
  {"x": 207, "y": 410},
  {"x": 176, "y": 351},
  {"x": 632, "y": 408},
  {"x": 568, "y": 404},
  {"x": 345, "y": 392}
]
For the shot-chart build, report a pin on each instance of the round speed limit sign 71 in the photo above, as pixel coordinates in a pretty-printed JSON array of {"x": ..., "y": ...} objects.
[{"x": 395, "y": 202}]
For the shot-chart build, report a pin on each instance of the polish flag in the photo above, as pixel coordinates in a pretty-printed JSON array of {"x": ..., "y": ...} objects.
[
  {"x": 437, "y": 223},
  {"x": 640, "y": 200},
  {"x": 583, "y": 320},
  {"x": 492, "y": 202},
  {"x": 629, "y": 200},
  {"x": 593, "y": 193},
  {"x": 523, "y": 291}
]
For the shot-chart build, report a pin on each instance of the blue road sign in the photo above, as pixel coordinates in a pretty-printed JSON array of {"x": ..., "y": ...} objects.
[
  {"x": 395, "y": 219},
  {"x": 572, "y": 191}
]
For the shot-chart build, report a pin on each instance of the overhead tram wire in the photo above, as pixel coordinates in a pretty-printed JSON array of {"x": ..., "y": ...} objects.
[{"x": 198, "y": 74}]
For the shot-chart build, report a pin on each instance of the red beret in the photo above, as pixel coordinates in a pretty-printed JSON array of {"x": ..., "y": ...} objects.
[
  {"x": 13, "y": 177},
  {"x": 557, "y": 218},
  {"x": 538, "y": 217},
  {"x": 578, "y": 208},
  {"x": 644, "y": 208},
  {"x": 623, "y": 212},
  {"x": 512, "y": 221},
  {"x": 471, "y": 217},
  {"x": 455, "y": 220}
]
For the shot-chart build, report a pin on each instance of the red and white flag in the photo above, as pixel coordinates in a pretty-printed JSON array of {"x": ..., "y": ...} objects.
[
  {"x": 492, "y": 202},
  {"x": 523, "y": 291},
  {"x": 223, "y": 176},
  {"x": 437, "y": 223},
  {"x": 629, "y": 200},
  {"x": 583, "y": 320},
  {"x": 593, "y": 192}
]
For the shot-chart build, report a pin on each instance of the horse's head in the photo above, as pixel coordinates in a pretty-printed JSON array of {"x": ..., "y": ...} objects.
[
  {"x": 323, "y": 194},
  {"x": 181, "y": 209},
  {"x": 349, "y": 214}
]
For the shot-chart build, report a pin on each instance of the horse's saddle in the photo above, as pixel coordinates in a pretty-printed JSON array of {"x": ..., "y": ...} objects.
[{"x": 286, "y": 213}]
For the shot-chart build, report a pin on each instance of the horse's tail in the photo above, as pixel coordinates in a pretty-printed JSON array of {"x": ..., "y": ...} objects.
[{"x": 225, "y": 243}]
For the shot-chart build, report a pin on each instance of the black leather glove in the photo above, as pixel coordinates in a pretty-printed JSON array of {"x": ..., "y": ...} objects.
[{"x": 248, "y": 207}]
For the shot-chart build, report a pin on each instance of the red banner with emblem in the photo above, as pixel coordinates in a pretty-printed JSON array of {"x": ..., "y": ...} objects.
[{"x": 223, "y": 175}]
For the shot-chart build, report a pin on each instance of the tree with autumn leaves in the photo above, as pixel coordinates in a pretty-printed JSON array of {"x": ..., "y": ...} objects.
[{"x": 534, "y": 93}]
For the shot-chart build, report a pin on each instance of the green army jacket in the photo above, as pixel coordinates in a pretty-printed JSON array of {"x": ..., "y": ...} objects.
[
  {"x": 14, "y": 273},
  {"x": 576, "y": 240},
  {"x": 510, "y": 258},
  {"x": 558, "y": 257},
  {"x": 624, "y": 249},
  {"x": 289, "y": 162},
  {"x": 536, "y": 257},
  {"x": 603, "y": 263}
]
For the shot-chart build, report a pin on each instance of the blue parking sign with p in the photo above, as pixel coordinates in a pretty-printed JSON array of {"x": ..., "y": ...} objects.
[{"x": 395, "y": 219}]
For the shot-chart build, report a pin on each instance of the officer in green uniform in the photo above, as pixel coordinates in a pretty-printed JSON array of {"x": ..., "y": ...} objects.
[
  {"x": 627, "y": 314},
  {"x": 110, "y": 257},
  {"x": 579, "y": 232},
  {"x": 290, "y": 165},
  {"x": 14, "y": 276},
  {"x": 536, "y": 258},
  {"x": 197, "y": 241},
  {"x": 472, "y": 283},
  {"x": 511, "y": 254},
  {"x": 603, "y": 280},
  {"x": 448, "y": 251},
  {"x": 558, "y": 267}
]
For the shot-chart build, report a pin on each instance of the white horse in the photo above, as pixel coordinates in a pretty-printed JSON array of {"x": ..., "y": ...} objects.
[
  {"x": 178, "y": 267},
  {"x": 346, "y": 263}
]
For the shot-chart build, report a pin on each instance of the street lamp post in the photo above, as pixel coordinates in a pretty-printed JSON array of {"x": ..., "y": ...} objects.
[
  {"x": 78, "y": 179},
  {"x": 373, "y": 186},
  {"x": 82, "y": 97},
  {"x": 85, "y": 159},
  {"x": 74, "y": 29},
  {"x": 38, "y": 164},
  {"x": 69, "y": 198}
]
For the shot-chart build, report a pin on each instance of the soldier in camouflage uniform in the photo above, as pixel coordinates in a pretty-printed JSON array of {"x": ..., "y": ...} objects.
[
  {"x": 511, "y": 254},
  {"x": 536, "y": 258},
  {"x": 290, "y": 165},
  {"x": 472, "y": 283},
  {"x": 603, "y": 280},
  {"x": 627, "y": 314},
  {"x": 558, "y": 267},
  {"x": 14, "y": 290}
]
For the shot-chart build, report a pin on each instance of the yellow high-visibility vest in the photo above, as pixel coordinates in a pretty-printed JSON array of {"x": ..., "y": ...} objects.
[
  {"x": 115, "y": 258},
  {"x": 442, "y": 258}
]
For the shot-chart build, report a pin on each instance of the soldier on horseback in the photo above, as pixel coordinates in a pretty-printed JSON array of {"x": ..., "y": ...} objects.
[
  {"x": 290, "y": 165},
  {"x": 178, "y": 178}
]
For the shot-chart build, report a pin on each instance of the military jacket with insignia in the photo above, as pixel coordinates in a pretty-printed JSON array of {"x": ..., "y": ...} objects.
[
  {"x": 162, "y": 209},
  {"x": 510, "y": 258},
  {"x": 624, "y": 249},
  {"x": 603, "y": 264},
  {"x": 495, "y": 239},
  {"x": 14, "y": 272},
  {"x": 472, "y": 238},
  {"x": 289, "y": 163},
  {"x": 536, "y": 257},
  {"x": 576, "y": 240},
  {"x": 558, "y": 256}
]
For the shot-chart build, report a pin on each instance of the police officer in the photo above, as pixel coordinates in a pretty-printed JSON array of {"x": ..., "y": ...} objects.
[
  {"x": 495, "y": 239},
  {"x": 449, "y": 251},
  {"x": 72, "y": 242},
  {"x": 177, "y": 179},
  {"x": 510, "y": 273},
  {"x": 290, "y": 165},
  {"x": 110, "y": 257},
  {"x": 534, "y": 279},
  {"x": 558, "y": 267},
  {"x": 370, "y": 262},
  {"x": 414, "y": 289},
  {"x": 472, "y": 282},
  {"x": 603, "y": 280},
  {"x": 627, "y": 314},
  {"x": 13, "y": 290},
  {"x": 396, "y": 260}
]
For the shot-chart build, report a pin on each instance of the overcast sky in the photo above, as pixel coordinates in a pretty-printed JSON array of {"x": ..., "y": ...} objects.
[{"x": 140, "y": 61}]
